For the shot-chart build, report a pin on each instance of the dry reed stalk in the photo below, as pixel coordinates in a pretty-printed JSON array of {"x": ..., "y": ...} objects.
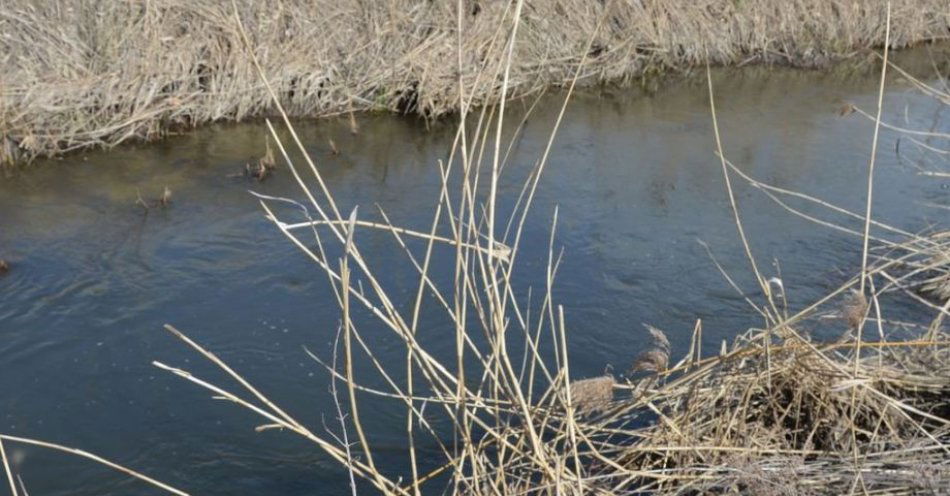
[
  {"x": 774, "y": 406},
  {"x": 499, "y": 251},
  {"x": 725, "y": 424},
  {"x": 863, "y": 435},
  {"x": 505, "y": 389},
  {"x": 141, "y": 201},
  {"x": 22, "y": 485},
  {"x": 6, "y": 468},
  {"x": 714, "y": 424},
  {"x": 82, "y": 454},
  {"x": 96, "y": 75}
]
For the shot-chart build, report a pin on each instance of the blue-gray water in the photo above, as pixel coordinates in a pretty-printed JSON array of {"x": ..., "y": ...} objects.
[{"x": 634, "y": 176}]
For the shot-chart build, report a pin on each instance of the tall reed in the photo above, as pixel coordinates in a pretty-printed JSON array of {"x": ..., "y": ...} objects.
[{"x": 774, "y": 412}]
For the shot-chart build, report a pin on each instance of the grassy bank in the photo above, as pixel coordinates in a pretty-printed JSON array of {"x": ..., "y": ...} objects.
[{"x": 96, "y": 73}]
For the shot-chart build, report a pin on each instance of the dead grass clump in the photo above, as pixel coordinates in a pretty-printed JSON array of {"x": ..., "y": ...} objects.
[
  {"x": 802, "y": 412},
  {"x": 803, "y": 427},
  {"x": 97, "y": 74},
  {"x": 746, "y": 474}
]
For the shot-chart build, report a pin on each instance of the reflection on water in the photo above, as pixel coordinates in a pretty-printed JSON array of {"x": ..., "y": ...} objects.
[{"x": 634, "y": 176}]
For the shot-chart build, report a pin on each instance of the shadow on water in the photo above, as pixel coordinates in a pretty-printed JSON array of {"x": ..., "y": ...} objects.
[{"x": 634, "y": 176}]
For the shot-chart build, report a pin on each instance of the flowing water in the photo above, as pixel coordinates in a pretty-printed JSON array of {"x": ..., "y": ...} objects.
[{"x": 633, "y": 174}]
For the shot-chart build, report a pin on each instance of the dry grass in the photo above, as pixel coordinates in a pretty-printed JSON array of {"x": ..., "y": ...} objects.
[
  {"x": 803, "y": 420},
  {"x": 775, "y": 412},
  {"x": 77, "y": 75},
  {"x": 924, "y": 266}
]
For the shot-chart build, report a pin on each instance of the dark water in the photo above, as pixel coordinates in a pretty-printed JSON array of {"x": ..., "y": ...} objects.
[{"x": 634, "y": 176}]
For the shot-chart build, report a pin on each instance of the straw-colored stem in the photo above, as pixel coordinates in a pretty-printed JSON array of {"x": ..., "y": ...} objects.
[{"x": 89, "y": 456}]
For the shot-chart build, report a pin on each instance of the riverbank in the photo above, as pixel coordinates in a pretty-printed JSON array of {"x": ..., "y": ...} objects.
[{"x": 96, "y": 75}]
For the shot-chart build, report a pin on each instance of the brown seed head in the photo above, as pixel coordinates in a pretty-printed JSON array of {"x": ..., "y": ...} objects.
[
  {"x": 657, "y": 357},
  {"x": 654, "y": 360},
  {"x": 660, "y": 340},
  {"x": 592, "y": 395},
  {"x": 845, "y": 109},
  {"x": 854, "y": 309}
]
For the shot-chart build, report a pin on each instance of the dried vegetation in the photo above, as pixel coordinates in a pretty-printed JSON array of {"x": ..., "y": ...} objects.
[
  {"x": 773, "y": 412},
  {"x": 83, "y": 74}
]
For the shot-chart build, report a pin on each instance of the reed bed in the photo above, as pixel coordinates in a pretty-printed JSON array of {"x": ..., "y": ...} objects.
[
  {"x": 95, "y": 74},
  {"x": 775, "y": 411}
]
